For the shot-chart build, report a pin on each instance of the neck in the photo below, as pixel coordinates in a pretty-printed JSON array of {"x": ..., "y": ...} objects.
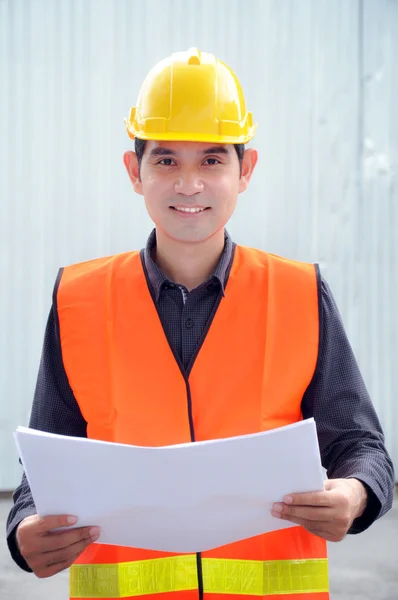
[{"x": 188, "y": 263}]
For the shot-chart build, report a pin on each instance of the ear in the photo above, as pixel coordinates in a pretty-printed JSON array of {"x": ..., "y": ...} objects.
[
  {"x": 131, "y": 163},
  {"x": 249, "y": 162}
]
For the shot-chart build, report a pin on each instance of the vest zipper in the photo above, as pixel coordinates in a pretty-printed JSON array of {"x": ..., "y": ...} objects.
[
  {"x": 192, "y": 432},
  {"x": 185, "y": 374}
]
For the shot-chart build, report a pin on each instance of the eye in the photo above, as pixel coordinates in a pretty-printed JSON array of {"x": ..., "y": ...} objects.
[
  {"x": 166, "y": 162},
  {"x": 212, "y": 161}
]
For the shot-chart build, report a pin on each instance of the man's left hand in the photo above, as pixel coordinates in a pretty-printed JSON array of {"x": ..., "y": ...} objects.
[{"x": 328, "y": 514}]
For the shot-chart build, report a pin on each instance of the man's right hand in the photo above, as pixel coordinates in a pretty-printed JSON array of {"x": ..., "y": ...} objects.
[{"x": 48, "y": 552}]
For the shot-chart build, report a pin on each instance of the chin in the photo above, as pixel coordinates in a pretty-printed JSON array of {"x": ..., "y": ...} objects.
[{"x": 190, "y": 236}]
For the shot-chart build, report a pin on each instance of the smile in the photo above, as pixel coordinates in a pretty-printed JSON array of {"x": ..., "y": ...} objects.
[{"x": 191, "y": 210}]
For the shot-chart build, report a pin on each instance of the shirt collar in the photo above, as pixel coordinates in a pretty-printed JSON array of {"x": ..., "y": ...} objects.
[{"x": 158, "y": 280}]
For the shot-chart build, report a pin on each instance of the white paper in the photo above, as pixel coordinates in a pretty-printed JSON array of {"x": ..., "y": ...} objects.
[{"x": 184, "y": 498}]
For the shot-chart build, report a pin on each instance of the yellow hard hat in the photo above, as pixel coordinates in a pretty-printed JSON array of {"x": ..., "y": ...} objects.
[{"x": 191, "y": 96}]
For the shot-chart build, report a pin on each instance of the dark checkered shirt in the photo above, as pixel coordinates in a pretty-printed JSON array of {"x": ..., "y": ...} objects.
[{"x": 350, "y": 436}]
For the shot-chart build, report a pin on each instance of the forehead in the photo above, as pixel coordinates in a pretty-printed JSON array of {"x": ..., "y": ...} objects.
[{"x": 188, "y": 149}]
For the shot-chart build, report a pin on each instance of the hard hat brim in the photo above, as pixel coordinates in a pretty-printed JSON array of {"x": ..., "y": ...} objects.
[{"x": 200, "y": 137}]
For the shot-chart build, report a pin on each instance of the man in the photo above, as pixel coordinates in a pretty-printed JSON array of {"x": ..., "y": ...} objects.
[{"x": 196, "y": 338}]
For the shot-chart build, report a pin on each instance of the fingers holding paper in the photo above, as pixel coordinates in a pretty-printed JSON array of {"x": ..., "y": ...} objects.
[
  {"x": 48, "y": 552},
  {"x": 328, "y": 514}
]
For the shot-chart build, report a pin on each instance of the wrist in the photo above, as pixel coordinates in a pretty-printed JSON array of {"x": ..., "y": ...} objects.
[{"x": 362, "y": 497}]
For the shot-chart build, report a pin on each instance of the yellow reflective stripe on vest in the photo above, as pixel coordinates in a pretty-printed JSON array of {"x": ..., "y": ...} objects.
[
  {"x": 264, "y": 578},
  {"x": 137, "y": 578},
  {"x": 220, "y": 576}
]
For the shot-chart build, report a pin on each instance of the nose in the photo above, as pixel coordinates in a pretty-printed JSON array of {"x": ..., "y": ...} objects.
[{"x": 188, "y": 184}]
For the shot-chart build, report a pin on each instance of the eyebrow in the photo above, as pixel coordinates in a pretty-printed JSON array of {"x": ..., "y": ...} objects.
[
  {"x": 162, "y": 151},
  {"x": 216, "y": 150}
]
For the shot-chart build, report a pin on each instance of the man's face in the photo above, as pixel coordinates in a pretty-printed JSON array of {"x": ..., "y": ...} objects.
[{"x": 190, "y": 188}]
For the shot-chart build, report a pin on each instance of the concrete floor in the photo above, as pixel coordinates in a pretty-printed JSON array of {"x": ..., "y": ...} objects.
[{"x": 363, "y": 567}]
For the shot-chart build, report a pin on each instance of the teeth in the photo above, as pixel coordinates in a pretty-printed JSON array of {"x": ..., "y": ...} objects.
[{"x": 189, "y": 210}]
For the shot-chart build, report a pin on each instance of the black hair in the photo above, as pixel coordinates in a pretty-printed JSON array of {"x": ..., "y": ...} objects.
[{"x": 140, "y": 149}]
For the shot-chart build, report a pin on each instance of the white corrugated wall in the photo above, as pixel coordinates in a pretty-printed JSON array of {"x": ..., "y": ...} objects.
[{"x": 321, "y": 77}]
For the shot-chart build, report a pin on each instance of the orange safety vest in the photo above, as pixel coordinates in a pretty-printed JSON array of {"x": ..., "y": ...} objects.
[{"x": 250, "y": 373}]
